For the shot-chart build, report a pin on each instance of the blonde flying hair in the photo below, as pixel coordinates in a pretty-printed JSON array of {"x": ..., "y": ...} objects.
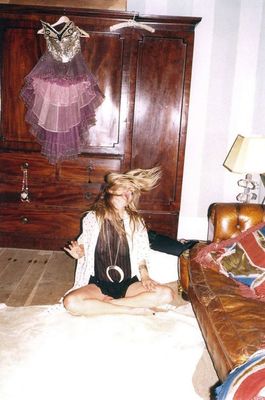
[{"x": 138, "y": 181}]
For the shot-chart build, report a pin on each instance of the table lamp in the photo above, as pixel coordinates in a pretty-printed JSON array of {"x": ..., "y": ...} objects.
[{"x": 247, "y": 155}]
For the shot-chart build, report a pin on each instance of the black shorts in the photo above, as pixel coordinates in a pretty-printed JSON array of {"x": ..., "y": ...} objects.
[{"x": 113, "y": 289}]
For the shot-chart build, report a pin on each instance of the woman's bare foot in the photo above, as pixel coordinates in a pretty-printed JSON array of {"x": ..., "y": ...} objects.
[
  {"x": 158, "y": 309},
  {"x": 142, "y": 311}
]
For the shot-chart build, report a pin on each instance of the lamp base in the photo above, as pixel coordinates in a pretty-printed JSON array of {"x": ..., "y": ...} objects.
[
  {"x": 248, "y": 184},
  {"x": 262, "y": 177}
]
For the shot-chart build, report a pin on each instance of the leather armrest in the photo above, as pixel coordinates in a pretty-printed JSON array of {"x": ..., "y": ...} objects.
[
  {"x": 184, "y": 265},
  {"x": 227, "y": 220}
]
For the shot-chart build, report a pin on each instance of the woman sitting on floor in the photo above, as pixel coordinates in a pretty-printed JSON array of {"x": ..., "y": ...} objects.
[{"x": 112, "y": 251}]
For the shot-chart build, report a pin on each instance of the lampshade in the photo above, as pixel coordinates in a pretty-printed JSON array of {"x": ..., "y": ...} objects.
[{"x": 247, "y": 155}]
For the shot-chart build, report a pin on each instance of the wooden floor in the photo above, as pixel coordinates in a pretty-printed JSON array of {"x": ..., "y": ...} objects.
[{"x": 34, "y": 277}]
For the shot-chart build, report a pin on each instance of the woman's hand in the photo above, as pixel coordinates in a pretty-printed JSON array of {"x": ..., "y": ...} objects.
[
  {"x": 75, "y": 250},
  {"x": 149, "y": 284}
]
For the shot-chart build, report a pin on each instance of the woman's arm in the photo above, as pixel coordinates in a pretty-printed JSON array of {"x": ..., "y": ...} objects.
[
  {"x": 143, "y": 250},
  {"x": 76, "y": 247},
  {"x": 148, "y": 283}
]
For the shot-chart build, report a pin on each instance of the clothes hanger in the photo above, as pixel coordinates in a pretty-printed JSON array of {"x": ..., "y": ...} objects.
[
  {"x": 83, "y": 33},
  {"x": 62, "y": 20},
  {"x": 65, "y": 20},
  {"x": 131, "y": 23}
]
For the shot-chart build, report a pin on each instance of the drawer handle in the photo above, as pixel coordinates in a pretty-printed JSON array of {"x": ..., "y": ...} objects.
[
  {"x": 24, "y": 220},
  {"x": 88, "y": 195},
  {"x": 90, "y": 169},
  {"x": 24, "y": 194},
  {"x": 25, "y": 165}
]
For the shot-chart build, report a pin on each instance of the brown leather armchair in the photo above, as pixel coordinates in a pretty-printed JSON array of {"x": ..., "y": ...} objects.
[{"x": 233, "y": 326}]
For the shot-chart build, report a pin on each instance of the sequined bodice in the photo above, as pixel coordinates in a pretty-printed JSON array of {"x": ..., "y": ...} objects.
[{"x": 64, "y": 44}]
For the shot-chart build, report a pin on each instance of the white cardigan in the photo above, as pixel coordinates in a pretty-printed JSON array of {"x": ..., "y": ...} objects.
[{"x": 138, "y": 247}]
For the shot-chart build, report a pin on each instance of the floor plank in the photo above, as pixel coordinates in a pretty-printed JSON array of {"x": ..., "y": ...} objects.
[
  {"x": 7, "y": 256},
  {"x": 56, "y": 280},
  {"x": 12, "y": 274},
  {"x": 34, "y": 277}
]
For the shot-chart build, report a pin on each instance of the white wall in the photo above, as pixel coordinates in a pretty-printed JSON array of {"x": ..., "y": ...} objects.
[{"x": 227, "y": 97}]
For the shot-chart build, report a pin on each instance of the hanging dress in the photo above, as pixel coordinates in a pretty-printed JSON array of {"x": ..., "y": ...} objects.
[{"x": 61, "y": 95}]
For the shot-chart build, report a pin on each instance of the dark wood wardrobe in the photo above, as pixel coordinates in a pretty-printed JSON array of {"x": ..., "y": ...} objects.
[{"x": 142, "y": 122}]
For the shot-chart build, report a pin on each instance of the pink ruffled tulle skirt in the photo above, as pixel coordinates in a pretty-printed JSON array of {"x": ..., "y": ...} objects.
[{"x": 61, "y": 100}]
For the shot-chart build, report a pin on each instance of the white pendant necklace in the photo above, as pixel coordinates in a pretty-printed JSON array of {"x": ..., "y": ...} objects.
[{"x": 114, "y": 266}]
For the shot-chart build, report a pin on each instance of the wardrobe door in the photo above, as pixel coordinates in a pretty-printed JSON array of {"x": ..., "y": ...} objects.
[
  {"x": 105, "y": 56},
  {"x": 20, "y": 50},
  {"x": 159, "y": 129}
]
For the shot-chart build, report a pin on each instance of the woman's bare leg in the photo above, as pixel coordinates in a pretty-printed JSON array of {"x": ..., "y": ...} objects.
[
  {"x": 137, "y": 296},
  {"x": 89, "y": 300}
]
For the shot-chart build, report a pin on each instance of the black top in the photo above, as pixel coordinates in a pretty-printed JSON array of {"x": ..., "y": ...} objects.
[{"x": 105, "y": 255}]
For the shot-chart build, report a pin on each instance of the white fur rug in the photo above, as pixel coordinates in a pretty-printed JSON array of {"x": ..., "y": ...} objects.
[{"x": 45, "y": 353}]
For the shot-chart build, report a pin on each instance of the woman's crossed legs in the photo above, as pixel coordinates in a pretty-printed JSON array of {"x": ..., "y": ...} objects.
[{"x": 89, "y": 300}]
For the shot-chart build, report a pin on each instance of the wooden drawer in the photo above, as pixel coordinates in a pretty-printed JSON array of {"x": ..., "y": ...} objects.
[
  {"x": 88, "y": 170},
  {"x": 40, "y": 222},
  {"x": 39, "y": 169},
  {"x": 56, "y": 194}
]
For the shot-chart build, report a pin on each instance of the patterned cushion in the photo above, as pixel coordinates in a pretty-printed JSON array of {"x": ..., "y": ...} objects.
[
  {"x": 242, "y": 258},
  {"x": 246, "y": 381}
]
